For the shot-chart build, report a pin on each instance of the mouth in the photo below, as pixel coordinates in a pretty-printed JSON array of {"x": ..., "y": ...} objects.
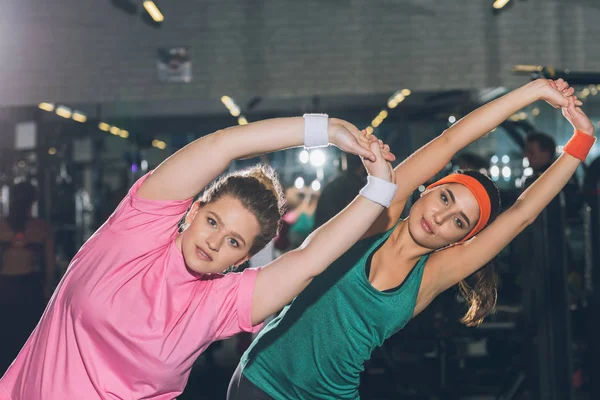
[
  {"x": 202, "y": 254},
  {"x": 426, "y": 225}
]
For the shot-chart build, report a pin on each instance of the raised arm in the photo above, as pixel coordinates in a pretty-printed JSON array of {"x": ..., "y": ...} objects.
[
  {"x": 457, "y": 263},
  {"x": 188, "y": 171},
  {"x": 283, "y": 279},
  {"x": 431, "y": 158}
]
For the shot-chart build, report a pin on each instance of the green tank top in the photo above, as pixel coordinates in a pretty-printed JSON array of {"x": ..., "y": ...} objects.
[{"x": 316, "y": 347}]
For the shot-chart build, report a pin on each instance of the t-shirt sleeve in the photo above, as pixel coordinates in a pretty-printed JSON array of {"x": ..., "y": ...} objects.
[
  {"x": 155, "y": 219},
  {"x": 235, "y": 290}
]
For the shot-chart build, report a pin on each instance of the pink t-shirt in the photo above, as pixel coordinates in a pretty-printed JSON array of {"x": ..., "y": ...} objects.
[{"x": 128, "y": 319}]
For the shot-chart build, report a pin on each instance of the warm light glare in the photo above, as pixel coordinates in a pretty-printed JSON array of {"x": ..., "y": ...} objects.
[
  {"x": 114, "y": 130},
  {"x": 498, "y": 4},
  {"x": 64, "y": 112},
  {"x": 79, "y": 117},
  {"x": 124, "y": 134},
  {"x": 235, "y": 111},
  {"x": 46, "y": 106},
  {"x": 153, "y": 11},
  {"x": 52, "y": 151},
  {"x": 103, "y": 126},
  {"x": 159, "y": 144},
  {"x": 242, "y": 121},
  {"x": 227, "y": 101},
  {"x": 369, "y": 130},
  {"x": 405, "y": 92}
]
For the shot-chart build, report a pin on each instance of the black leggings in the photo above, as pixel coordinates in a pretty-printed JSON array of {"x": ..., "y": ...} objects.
[{"x": 241, "y": 388}]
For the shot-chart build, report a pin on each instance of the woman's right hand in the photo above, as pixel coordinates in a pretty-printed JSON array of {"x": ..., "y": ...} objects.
[
  {"x": 577, "y": 117},
  {"x": 556, "y": 92},
  {"x": 380, "y": 168},
  {"x": 350, "y": 139}
]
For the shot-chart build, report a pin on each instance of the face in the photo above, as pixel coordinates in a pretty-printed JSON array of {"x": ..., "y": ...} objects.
[
  {"x": 220, "y": 235},
  {"x": 536, "y": 156},
  {"x": 443, "y": 215}
]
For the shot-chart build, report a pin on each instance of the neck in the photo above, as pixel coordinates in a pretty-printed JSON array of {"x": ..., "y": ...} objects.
[{"x": 404, "y": 245}]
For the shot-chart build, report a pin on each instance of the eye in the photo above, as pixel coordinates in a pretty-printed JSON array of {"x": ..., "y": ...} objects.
[
  {"x": 444, "y": 198},
  {"x": 458, "y": 222},
  {"x": 234, "y": 243},
  {"x": 211, "y": 222}
]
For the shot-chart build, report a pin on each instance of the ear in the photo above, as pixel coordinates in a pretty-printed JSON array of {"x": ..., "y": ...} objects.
[
  {"x": 425, "y": 192},
  {"x": 242, "y": 260},
  {"x": 193, "y": 211}
]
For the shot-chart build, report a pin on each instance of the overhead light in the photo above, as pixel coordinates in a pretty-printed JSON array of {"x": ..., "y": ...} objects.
[
  {"x": 315, "y": 185},
  {"x": 52, "y": 151},
  {"x": 153, "y": 10},
  {"x": 498, "y": 4},
  {"x": 64, "y": 112},
  {"x": 235, "y": 111},
  {"x": 103, "y": 126},
  {"x": 242, "y": 120},
  {"x": 124, "y": 134},
  {"x": 405, "y": 92},
  {"x": 115, "y": 130},
  {"x": 46, "y": 106},
  {"x": 304, "y": 156},
  {"x": 299, "y": 183},
  {"x": 79, "y": 117},
  {"x": 227, "y": 101},
  {"x": 369, "y": 130},
  {"x": 317, "y": 158},
  {"x": 159, "y": 144}
]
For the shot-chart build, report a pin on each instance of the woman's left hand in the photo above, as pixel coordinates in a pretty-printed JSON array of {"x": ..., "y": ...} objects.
[{"x": 577, "y": 117}]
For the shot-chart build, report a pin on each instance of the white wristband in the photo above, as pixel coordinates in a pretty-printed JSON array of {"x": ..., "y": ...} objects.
[
  {"x": 379, "y": 191},
  {"x": 315, "y": 130}
]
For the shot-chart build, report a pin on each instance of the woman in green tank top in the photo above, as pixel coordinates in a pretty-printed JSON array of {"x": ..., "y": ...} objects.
[{"x": 316, "y": 347}]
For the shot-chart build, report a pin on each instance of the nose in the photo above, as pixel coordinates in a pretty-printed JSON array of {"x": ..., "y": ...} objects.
[
  {"x": 442, "y": 215},
  {"x": 214, "y": 242}
]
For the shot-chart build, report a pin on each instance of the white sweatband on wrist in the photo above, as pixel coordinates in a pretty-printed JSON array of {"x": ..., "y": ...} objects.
[
  {"x": 379, "y": 191},
  {"x": 315, "y": 130}
]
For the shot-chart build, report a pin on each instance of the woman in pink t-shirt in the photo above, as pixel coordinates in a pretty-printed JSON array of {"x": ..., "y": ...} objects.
[{"x": 145, "y": 295}]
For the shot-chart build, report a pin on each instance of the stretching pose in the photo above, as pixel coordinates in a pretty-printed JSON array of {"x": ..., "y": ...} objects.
[
  {"x": 145, "y": 295},
  {"x": 316, "y": 347}
]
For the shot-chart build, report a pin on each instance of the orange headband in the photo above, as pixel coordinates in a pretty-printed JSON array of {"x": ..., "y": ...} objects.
[{"x": 481, "y": 195}]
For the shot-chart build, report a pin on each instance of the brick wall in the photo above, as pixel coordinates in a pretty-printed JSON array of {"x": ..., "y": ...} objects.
[{"x": 78, "y": 51}]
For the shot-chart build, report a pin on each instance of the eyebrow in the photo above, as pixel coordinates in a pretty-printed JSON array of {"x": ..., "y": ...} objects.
[
  {"x": 237, "y": 235},
  {"x": 462, "y": 214}
]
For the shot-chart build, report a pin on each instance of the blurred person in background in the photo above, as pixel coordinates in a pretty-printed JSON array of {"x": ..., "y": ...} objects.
[
  {"x": 338, "y": 193},
  {"x": 27, "y": 271}
]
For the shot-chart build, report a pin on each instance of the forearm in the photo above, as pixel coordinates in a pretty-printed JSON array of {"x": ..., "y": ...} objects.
[
  {"x": 533, "y": 200},
  {"x": 485, "y": 118},
  {"x": 262, "y": 137},
  {"x": 334, "y": 238},
  {"x": 189, "y": 170}
]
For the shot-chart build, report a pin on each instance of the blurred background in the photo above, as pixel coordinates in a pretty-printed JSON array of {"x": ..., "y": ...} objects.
[{"x": 93, "y": 94}]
